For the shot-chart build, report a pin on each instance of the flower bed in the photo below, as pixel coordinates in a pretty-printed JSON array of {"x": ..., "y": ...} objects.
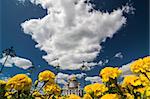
[{"x": 135, "y": 86}]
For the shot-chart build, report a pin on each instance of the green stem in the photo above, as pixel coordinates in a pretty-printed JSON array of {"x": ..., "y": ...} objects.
[
  {"x": 146, "y": 76},
  {"x": 119, "y": 90},
  {"x": 43, "y": 85}
]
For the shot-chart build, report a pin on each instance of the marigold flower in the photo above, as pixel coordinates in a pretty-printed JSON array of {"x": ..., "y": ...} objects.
[
  {"x": 144, "y": 80},
  {"x": 50, "y": 88},
  {"x": 141, "y": 65},
  {"x": 88, "y": 89},
  {"x": 131, "y": 80},
  {"x": 109, "y": 73},
  {"x": 146, "y": 61},
  {"x": 9, "y": 95},
  {"x": 111, "y": 96},
  {"x": 46, "y": 76},
  {"x": 73, "y": 96},
  {"x": 147, "y": 91},
  {"x": 2, "y": 82},
  {"x": 137, "y": 66},
  {"x": 97, "y": 89},
  {"x": 148, "y": 74},
  {"x": 129, "y": 96},
  {"x": 36, "y": 93},
  {"x": 140, "y": 90},
  {"x": 87, "y": 96},
  {"x": 19, "y": 82}
]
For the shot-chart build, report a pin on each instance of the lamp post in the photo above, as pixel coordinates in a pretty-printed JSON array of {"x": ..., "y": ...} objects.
[
  {"x": 83, "y": 69},
  {"x": 7, "y": 52},
  {"x": 31, "y": 69},
  {"x": 57, "y": 69}
]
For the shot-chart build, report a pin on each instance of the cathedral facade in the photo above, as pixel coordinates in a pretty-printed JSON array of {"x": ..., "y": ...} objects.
[{"x": 72, "y": 87}]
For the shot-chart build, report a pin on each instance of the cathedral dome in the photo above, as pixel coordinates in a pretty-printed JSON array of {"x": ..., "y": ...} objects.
[{"x": 73, "y": 82}]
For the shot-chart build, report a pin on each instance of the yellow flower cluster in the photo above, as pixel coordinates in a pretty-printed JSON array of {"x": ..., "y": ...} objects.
[
  {"x": 135, "y": 86},
  {"x": 52, "y": 89},
  {"x": 129, "y": 96},
  {"x": 95, "y": 89},
  {"x": 131, "y": 80},
  {"x": 73, "y": 96},
  {"x": 87, "y": 96},
  {"x": 109, "y": 73},
  {"x": 46, "y": 76},
  {"x": 141, "y": 65},
  {"x": 19, "y": 82},
  {"x": 2, "y": 82},
  {"x": 36, "y": 93},
  {"x": 111, "y": 96},
  {"x": 147, "y": 91},
  {"x": 144, "y": 80}
]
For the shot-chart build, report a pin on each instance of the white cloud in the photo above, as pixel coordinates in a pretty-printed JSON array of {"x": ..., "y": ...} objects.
[
  {"x": 17, "y": 61},
  {"x": 71, "y": 32},
  {"x": 62, "y": 78},
  {"x": 119, "y": 55},
  {"x": 126, "y": 70},
  {"x": 95, "y": 79}
]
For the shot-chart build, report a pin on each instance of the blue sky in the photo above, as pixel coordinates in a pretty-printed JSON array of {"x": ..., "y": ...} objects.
[{"x": 132, "y": 40}]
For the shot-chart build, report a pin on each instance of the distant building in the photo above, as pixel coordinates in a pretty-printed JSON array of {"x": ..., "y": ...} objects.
[{"x": 72, "y": 87}]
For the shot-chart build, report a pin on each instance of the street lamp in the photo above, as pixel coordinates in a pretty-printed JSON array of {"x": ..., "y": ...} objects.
[
  {"x": 57, "y": 67},
  {"x": 83, "y": 69},
  {"x": 31, "y": 69},
  {"x": 7, "y": 52}
]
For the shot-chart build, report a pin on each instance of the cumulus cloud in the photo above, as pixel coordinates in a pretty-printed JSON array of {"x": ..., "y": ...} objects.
[
  {"x": 126, "y": 70},
  {"x": 72, "y": 31},
  {"x": 62, "y": 78},
  {"x": 94, "y": 79},
  {"x": 17, "y": 61},
  {"x": 119, "y": 55}
]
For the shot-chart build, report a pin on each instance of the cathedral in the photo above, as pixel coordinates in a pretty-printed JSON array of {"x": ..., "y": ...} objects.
[{"x": 72, "y": 87}]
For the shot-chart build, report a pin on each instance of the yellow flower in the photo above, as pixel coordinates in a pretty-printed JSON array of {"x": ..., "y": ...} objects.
[
  {"x": 129, "y": 96},
  {"x": 96, "y": 88},
  {"x": 131, "y": 80},
  {"x": 87, "y": 96},
  {"x": 9, "y": 95},
  {"x": 141, "y": 65},
  {"x": 2, "y": 82},
  {"x": 46, "y": 76},
  {"x": 109, "y": 72},
  {"x": 144, "y": 80},
  {"x": 148, "y": 91},
  {"x": 88, "y": 89},
  {"x": 73, "y": 96},
  {"x": 148, "y": 74},
  {"x": 51, "y": 88},
  {"x": 36, "y": 93},
  {"x": 99, "y": 89},
  {"x": 19, "y": 82},
  {"x": 111, "y": 96},
  {"x": 137, "y": 66},
  {"x": 140, "y": 90},
  {"x": 146, "y": 61}
]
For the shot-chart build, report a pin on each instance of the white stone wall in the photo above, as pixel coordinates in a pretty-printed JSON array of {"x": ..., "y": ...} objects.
[{"x": 72, "y": 91}]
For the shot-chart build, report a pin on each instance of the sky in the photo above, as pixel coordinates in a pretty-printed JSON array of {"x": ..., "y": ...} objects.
[{"x": 102, "y": 33}]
